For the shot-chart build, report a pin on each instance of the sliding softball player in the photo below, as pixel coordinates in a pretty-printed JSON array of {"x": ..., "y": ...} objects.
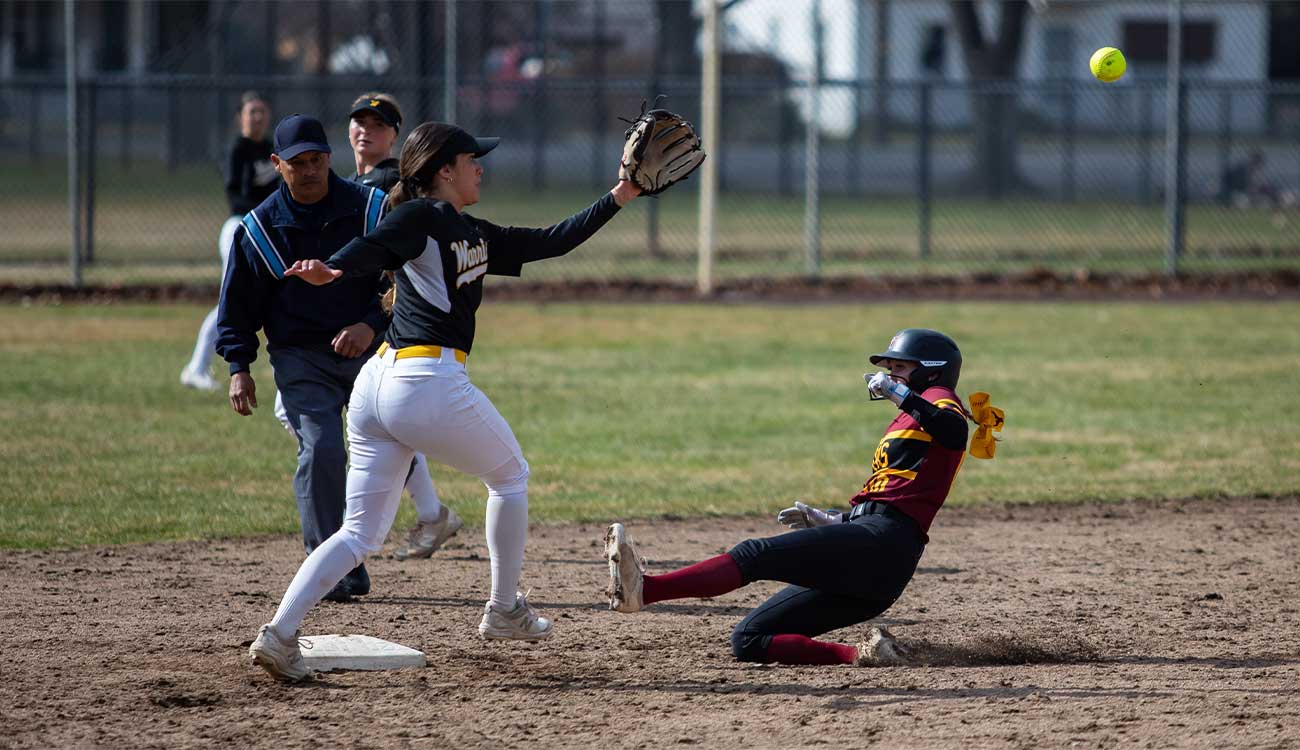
[{"x": 843, "y": 568}]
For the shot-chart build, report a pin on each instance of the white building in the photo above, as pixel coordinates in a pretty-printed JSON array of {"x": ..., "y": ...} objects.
[{"x": 1224, "y": 42}]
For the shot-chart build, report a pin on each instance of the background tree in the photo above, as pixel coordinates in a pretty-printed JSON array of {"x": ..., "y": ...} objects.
[{"x": 994, "y": 61}]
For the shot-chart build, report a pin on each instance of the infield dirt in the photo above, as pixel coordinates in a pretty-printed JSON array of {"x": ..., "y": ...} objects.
[{"x": 1156, "y": 624}]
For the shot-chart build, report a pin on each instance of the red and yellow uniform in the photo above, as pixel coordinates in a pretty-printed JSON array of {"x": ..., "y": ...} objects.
[{"x": 910, "y": 469}]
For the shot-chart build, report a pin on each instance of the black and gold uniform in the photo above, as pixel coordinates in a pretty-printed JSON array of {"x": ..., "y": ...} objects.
[{"x": 441, "y": 256}]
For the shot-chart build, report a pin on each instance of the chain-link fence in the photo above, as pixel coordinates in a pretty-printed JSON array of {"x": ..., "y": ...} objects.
[{"x": 855, "y": 139}]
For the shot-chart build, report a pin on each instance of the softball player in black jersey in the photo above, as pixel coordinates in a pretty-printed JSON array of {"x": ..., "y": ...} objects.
[
  {"x": 414, "y": 394},
  {"x": 250, "y": 178},
  {"x": 373, "y": 125}
]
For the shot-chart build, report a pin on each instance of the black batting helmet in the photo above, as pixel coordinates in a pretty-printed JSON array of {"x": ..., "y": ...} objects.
[{"x": 937, "y": 357}]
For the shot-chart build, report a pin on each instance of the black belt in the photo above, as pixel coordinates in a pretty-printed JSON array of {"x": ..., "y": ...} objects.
[{"x": 875, "y": 508}]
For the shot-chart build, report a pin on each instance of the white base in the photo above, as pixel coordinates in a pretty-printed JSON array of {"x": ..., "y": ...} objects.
[{"x": 325, "y": 653}]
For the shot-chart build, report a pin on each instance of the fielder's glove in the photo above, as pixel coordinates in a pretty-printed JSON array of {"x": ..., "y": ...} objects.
[
  {"x": 660, "y": 149},
  {"x": 881, "y": 386},
  {"x": 803, "y": 516}
]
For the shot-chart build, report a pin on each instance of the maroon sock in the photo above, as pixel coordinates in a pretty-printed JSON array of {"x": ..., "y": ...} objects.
[
  {"x": 711, "y": 577},
  {"x": 800, "y": 649}
]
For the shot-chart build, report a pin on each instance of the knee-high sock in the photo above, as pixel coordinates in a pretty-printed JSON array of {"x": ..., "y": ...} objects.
[
  {"x": 425, "y": 496},
  {"x": 799, "y": 649},
  {"x": 206, "y": 343},
  {"x": 711, "y": 577},
  {"x": 322, "y": 569},
  {"x": 507, "y": 532}
]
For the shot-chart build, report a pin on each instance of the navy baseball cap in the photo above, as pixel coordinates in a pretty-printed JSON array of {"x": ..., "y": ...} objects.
[{"x": 298, "y": 134}]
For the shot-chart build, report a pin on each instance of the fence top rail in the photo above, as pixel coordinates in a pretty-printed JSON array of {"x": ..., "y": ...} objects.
[{"x": 670, "y": 83}]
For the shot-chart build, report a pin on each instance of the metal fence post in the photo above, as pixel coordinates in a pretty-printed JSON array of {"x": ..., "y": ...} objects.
[
  {"x": 74, "y": 177},
  {"x": 711, "y": 74},
  {"x": 449, "y": 73},
  {"x": 923, "y": 172},
  {"x": 785, "y": 136},
  {"x": 812, "y": 154},
  {"x": 1175, "y": 140},
  {"x": 652, "y": 207},
  {"x": 90, "y": 138},
  {"x": 599, "y": 115},
  {"x": 124, "y": 135},
  {"x": 1144, "y": 94},
  {"x": 540, "y": 93},
  {"x": 1225, "y": 132},
  {"x": 34, "y": 121},
  {"x": 169, "y": 127}
]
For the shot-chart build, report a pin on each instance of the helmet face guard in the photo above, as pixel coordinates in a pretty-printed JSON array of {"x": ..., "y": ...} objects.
[{"x": 937, "y": 356}]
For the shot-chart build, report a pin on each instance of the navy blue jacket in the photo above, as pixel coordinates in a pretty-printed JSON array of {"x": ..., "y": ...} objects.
[{"x": 256, "y": 295}]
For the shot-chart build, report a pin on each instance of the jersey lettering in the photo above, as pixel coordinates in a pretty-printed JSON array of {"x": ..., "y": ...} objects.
[{"x": 471, "y": 262}]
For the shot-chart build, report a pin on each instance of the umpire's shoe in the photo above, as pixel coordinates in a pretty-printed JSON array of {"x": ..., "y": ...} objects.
[
  {"x": 427, "y": 537},
  {"x": 281, "y": 658},
  {"x": 626, "y": 573},
  {"x": 355, "y": 583}
]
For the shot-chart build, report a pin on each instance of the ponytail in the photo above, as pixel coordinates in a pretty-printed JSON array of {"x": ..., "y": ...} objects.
[
  {"x": 417, "y": 153},
  {"x": 389, "y": 297}
]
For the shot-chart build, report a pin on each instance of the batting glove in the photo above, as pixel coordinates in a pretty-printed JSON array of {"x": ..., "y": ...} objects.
[
  {"x": 882, "y": 386},
  {"x": 803, "y": 516}
]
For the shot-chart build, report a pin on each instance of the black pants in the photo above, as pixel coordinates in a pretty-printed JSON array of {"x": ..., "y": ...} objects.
[{"x": 840, "y": 575}]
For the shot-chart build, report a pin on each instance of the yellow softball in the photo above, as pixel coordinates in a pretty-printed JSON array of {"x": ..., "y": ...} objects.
[{"x": 1108, "y": 64}]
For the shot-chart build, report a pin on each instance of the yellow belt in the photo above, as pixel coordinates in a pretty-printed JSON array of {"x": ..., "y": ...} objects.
[{"x": 424, "y": 350}]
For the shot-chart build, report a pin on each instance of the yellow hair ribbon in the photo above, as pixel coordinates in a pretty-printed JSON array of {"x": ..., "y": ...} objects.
[{"x": 989, "y": 419}]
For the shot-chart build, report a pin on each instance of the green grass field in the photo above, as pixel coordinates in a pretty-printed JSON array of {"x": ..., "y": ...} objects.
[
  {"x": 152, "y": 225},
  {"x": 638, "y": 411}
]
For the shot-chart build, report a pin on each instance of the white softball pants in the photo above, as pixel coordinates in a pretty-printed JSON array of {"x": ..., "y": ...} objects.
[
  {"x": 424, "y": 495},
  {"x": 206, "y": 343},
  {"x": 400, "y": 407}
]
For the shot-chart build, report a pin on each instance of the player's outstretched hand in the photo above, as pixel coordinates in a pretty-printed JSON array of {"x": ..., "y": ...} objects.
[
  {"x": 803, "y": 516},
  {"x": 881, "y": 386},
  {"x": 313, "y": 272}
]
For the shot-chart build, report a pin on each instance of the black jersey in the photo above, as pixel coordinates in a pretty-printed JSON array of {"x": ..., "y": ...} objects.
[
  {"x": 441, "y": 256},
  {"x": 250, "y": 175},
  {"x": 384, "y": 176}
]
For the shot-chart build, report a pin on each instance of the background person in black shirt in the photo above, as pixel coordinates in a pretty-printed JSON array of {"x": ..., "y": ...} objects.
[
  {"x": 250, "y": 178},
  {"x": 373, "y": 126}
]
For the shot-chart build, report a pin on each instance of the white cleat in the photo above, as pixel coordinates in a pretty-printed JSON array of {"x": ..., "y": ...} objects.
[
  {"x": 202, "y": 381},
  {"x": 426, "y": 538},
  {"x": 519, "y": 624},
  {"x": 280, "y": 658},
  {"x": 626, "y": 571},
  {"x": 881, "y": 649}
]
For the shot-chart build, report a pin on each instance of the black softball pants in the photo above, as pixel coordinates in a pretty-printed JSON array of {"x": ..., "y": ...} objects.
[{"x": 840, "y": 575}]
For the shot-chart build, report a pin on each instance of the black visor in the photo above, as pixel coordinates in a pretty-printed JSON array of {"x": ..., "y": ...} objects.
[
  {"x": 383, "y": 109},
  {"x": 460, "y": 142}
]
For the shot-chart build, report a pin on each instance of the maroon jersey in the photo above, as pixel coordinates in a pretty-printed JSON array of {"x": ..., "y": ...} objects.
[{"x": 911, "y": 470}]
